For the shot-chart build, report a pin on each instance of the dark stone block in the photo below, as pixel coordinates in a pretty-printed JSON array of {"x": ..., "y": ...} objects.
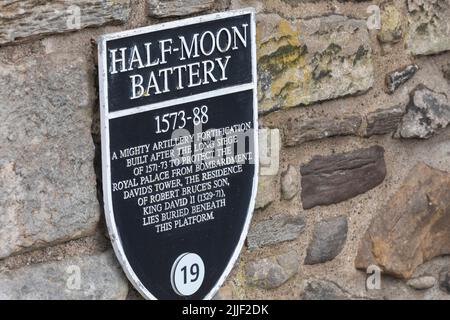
[
  {"x": 335, "y": 178},
  {"x": 444, "y": 279},
  {"x": 383, "y": 121},
  {"x": 298, "y": 131},
  {"x": 395, "y": 79}
]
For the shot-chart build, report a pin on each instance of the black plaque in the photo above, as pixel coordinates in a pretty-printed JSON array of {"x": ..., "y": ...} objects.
[{"x": 179, "y": 150}]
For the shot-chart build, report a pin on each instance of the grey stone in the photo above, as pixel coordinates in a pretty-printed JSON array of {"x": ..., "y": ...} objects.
[
  {"x": 267, "y": 191},
  {"x": 31, "y": 19},
  {"x": 305, "y": 61},
  {"x": 278, "y": 229},
  {"x": 48, "y": 189},
  {"x": 429, "y": 26},
  {"x": 446, "y": 72},
  {"x": 319, "y": 289},
  {"x": 290, "y": 183},
  {"x": 328, "y": 240},
  {"x": 272, "y": 272},
  {"x": 82, "y": 278},
  {"x": 298, "y": 131},
  {"x": 177, "y": 8},
  {"x": 383, "y": 121},
  {"x": 444, "y": 280},
  {"x": 427, "y": 113},
  {"x": 338, "y": 177},
  {"x": 422, "y": 283},
  {"x": 395, "y": 79}
]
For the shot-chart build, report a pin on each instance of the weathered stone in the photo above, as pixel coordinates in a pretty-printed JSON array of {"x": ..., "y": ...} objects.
[
  {"x": 391, "y": 24},
  {"x": 48, "y": 189},
  {"x": 427, "y": 114},
  {"x": 305, "y": 61},
  {"x": 31, "y": 18},
  {"x": 298, "y": 131},
  {"x": 446, "y": 72},
  {"x": 294, "y": 2},
  {"x": 278, "y": 229},
  {"x": 422, "y": 283},
  {"x": 267, "y": 191},
  {"x": 414, "y": 227},
  {"x": 383, "y": 121},
  {"x": 338, "y": 177},
  {"x": 429, "y": 26},
  {"x": 272, "y": 272},
  {"x": 318, "y": 289},
  {"x": 177, "y": 8},
  {"x": 85, "y": 278},
  {"x": 224, "y": 293},
  {"x": 290, "y": 183},
  {"x": 328, "y": 240},
  {"x": 444, "y": 280},
  {"x": 395, "y": 79}
]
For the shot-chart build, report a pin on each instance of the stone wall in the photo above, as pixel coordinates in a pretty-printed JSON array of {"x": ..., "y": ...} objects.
[{"x": 354, "y": 169}]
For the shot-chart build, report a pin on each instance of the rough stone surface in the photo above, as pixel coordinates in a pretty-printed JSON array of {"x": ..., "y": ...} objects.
[
  {"x": 31, "y": 18},
  {"x": 298, "y": 131},
  {"x": 338, "y": 177},
  {"x": 444, "y": 280},
  {"x": 427, "y": 113},
  {"x": 429, "y": 26},
  {"x": 224, "y": 293},
  {"x": 383, "y": 121},
  {"x": 267, "y": 191},
  {"x": 272, "y": 272},
  {"x": 391, "y": 24},
  {"x": 177, "y": 8},
  {"x": 318, "y": 289},
  {"x": 278, "y": 229},
  {"x": 48, "y": 189},
  {"x": 422, "y": 283},
  {"x": 446, "y": 72},
  {"x": 290, "y": 183},
  {"x": 311, "y": 60},
  {"x": 414, "y": 227},
  {"x": 82, "y": 278},
  {"x": 395, "y": 79},
  {"x": 328, "y": 240}
]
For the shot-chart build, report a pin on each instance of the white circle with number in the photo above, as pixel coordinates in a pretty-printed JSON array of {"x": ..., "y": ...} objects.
[{"x": 187, "y": 274}]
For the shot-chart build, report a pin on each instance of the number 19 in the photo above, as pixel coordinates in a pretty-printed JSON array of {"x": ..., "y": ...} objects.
[{"x": 194, "y": 273}]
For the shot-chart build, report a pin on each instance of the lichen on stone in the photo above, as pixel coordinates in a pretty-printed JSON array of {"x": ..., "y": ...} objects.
[{"x": 306, "y": 61}]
